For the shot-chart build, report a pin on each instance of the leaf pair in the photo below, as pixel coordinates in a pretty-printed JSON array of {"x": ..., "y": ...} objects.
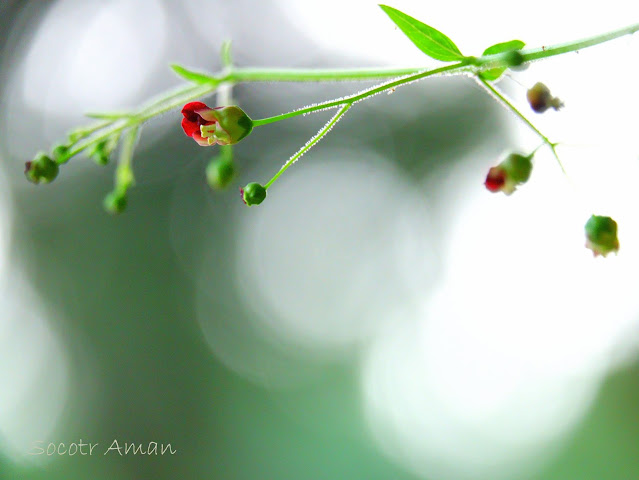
[{"x": 438, "y": 46}]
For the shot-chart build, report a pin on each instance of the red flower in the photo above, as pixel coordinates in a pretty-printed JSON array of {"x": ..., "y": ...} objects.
[
  {"x": 495, "y": 179},
  {"x": 221, "y": 125}
]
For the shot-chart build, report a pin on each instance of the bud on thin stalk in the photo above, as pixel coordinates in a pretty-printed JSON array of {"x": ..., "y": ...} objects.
[
  {"x": 253, "y": 194},
  {"x": 515, "y": 170},
  {"x": 540, "y": 98}
]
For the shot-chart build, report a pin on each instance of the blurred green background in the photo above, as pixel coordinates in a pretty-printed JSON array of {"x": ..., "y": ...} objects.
[{"x": 253, "y": 340}]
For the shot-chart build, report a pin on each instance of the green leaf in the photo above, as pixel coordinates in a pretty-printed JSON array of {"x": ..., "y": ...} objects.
[
  {"x": 430, "y": 41},
  {"x": 192, "y": 76},
  {"x": 504, "y": 47},
  {"x": 495, "y": 73}
]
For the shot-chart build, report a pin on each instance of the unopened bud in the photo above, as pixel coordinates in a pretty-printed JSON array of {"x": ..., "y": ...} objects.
[
  {"x": 61, "y": 153},
  {"x": 42, "y": 169},
  {"x": 514, "y": 58},
  {"x": 100, "y": 153},
  {"x": 540, "y": 98},
  {"x": 115, "y": 202},
  {"x": 220, "y": 172},
  {"x": 253, "y": 194},
  {"x": 509, "y": 174},
  {"x": 601, "y": 235}
]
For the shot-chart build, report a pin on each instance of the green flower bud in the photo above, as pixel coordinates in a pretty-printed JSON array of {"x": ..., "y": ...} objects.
[
  {"x": 253, "y": 194},
  {"x": 509, "y": 174},
  {"x": 220, "y": 172},
  {"x": 115, "y": 202},
  {"x": 61, "y": 153},
  {"x": 42, "y": 169},
  {"x": 540, "y": 99},
  {"x": 100, "y": 153},
  {"x": 514, "y": 58},
  {"x": 601, "y": 235},
  {"x": 518, "y": 167}
]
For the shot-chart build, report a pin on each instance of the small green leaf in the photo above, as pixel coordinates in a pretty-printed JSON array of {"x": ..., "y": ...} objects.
[
  {"x": 192, "y": 76},
  {"x": 504, "y": 47},
  {"x": 430, "y": 41},
  {"x": 495, "y": 73}
]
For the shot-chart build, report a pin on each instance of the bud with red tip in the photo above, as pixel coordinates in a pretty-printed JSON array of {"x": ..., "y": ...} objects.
[
  {"x": 221, "y": 125},
  {"x": 601, "y": 235},
  {"x": 509, "y": 174},
  {"x": 540, "y": 98},
  {"x": 42, "y": 169}
]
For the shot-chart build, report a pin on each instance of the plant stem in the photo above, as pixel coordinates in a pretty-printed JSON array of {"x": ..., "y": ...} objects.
[
  {"x": 559, "y": 49},
  {"x": 311, "y": 142},
  {"x": 231, "y": 76},
  {"x": 362, "y": 95},
  {"x": 516, "y": 111},
  {"x": 124, "y": 177},
  {"x": 317, "y": 75},
  {"x": 161, "y": 105}
]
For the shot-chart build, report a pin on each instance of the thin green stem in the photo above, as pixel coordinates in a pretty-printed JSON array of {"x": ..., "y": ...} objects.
[
  {"x": 516, "y": 111},
  {"x": 162, "y": 105},
  {"x": 230, "y": 75},
  {"x": 241, "y": 75},
  {"x": 310, "y": 143},
  {"x": 362, "y": 95},
  {"x": 124, "y": 177},
  {"x": 559, "y": 49}
]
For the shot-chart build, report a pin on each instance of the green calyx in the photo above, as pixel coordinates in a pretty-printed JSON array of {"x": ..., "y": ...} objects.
[
  {"x": 518, "y": 167},
  {"x": 42, "y": 169},
  {"x": 231, "y": 126},
  {"x": 253, "y": 194},
  {"x": 220, "y": 172}
]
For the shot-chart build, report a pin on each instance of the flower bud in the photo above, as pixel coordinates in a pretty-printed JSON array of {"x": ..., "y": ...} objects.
[
  {"x": 510, "y": 173},
  {"x": 220, "y": 172},
  {"x": 221, "y": 125},
  {"x": 514, "y": 58},
  {"x": 540, "y": 99},
  {"x": 100, "y": 158},
  {"x": 60, "y": 153},
  {"x": 253, "y": 194},
  {"x": 115, "y": 202},
  {"x": 103, "y": 149},
  {"x": 42, "y": 169},
  {"x": 601, "y": 235}
]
